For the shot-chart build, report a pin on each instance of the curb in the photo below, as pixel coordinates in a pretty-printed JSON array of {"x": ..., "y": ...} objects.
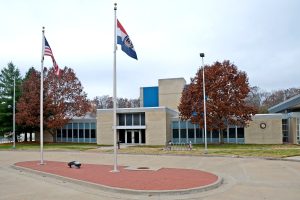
[{"x": 214, "y": 185}]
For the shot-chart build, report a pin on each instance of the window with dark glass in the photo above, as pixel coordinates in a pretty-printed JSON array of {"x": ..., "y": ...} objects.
[
  {"x": 215, "y": 134},
  {"x": 93, "y": 133},
  {"x": 75, "y": 131},
  {"x": 191, "y": 130},
  {"x": 69, "y": 133},
  {"x": 240, "y": 132},
  {"x": 183, "y": 130},
  {"x": 128, "y": 119},
  {"x": 183, "y": 133},
  {"x": 80, "y": 126},
  {"x": 225, "y": 133},
  {"x": 142, "y": 119},
  {"x": 199, "y": 133},
  {"x": 59, "y": 132},
  {"x": 136, "y": 119},
  {"x": 191, "y": 133},
  {"x": 231, "y": 132},
  {"x": 64, "y": 134},
  {"x": 175, "y": 133},
  {"x": 121, "y": 119}
]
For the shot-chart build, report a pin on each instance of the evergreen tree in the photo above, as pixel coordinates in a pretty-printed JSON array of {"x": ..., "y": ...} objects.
[{"x": 7, "y": 76}]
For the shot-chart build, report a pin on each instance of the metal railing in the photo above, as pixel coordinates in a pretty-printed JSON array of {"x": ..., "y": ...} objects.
[{"x": 179, "y": 146}]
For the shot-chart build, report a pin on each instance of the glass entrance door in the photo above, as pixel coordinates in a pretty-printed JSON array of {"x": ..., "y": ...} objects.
[
  {"x": 133, "y": 137},
  {"x": 136, "y": 135}
]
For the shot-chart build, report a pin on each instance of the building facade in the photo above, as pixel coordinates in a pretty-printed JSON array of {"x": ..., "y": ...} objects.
[{"x": 157, "y": 122}]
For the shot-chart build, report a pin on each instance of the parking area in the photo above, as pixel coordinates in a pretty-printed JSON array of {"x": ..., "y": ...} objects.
[{"x": 244, "y": 178}]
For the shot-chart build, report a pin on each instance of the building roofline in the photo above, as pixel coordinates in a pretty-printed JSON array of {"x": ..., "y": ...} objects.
[
  {"x": 285, "y": 104},
  {"x": 139, "y": 109}
]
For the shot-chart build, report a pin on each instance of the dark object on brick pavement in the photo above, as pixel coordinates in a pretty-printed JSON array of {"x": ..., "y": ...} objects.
[{"x": 74, "y": 164}]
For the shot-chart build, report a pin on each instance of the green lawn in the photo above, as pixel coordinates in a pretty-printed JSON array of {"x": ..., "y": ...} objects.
[
  {"x": 255, "y": 150},
  {"x": 272, "y": 151},
  {"x": 51, "y": 146}
]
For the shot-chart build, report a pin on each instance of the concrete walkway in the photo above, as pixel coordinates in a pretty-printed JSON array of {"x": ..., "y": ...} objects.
[{"x": 244, "y": 178}]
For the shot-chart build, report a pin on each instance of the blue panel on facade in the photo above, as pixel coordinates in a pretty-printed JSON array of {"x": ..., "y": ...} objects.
[{"x": 150, "y": 96}]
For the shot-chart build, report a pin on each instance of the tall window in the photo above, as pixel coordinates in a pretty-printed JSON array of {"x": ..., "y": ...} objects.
[
  {"x": 81, "y": 133},
  {"x": 128, "y": 119},
  {"x": 87, "y": 132},
  {"x": 122, "y": 119},
  {"x": 285, "y": 130},
  {"x": 175, "y": 131},
  {"x": 75, "y": 132},
  {"x": 298, "y": 130},
  {"x": 136, "y": 119},
  {"x": 191, "y": 132},
  {"x": 183, "y": 138},
  {"x": 241, "y": 135}
]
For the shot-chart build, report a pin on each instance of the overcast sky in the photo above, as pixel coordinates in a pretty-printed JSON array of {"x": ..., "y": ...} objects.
[{"x": 261, "y": 37}]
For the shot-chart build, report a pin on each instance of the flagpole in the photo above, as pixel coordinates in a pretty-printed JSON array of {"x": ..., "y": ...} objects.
[
  {"x": 42, "y": 99},
  {"x": 204, "y": 105},
  {"x": 115, "y": 92}
]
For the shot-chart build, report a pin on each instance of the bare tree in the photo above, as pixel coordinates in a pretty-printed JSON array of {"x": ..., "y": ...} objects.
[{"x": 106, "y": 102}]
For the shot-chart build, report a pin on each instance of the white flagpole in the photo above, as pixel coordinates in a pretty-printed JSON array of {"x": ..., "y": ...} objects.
[
  {"x": 115, "y": 92},
  {"x": 41, "y": 99},
  {"x": 204, "y": 105}
]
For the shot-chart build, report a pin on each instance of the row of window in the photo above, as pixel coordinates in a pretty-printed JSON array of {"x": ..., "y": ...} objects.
[
  {"x": 185, "y": 131},
  {"x": 131, "y": 119},
  {"x": 77, "y": 132}
]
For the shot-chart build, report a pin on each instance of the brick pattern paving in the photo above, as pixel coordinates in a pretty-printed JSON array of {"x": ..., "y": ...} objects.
[{"x": 162, "y": 179}]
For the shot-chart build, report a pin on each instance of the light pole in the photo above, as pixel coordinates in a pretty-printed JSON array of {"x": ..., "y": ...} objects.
[
  {"x": 204, "y": 104},
  {"x": 14, "y": 114}
]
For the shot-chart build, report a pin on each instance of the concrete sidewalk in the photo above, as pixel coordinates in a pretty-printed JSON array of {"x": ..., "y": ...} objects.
[{"x": 244, "y": 178}]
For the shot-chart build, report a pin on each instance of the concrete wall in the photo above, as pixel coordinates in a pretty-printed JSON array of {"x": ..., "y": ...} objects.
[
  {"x": 168, "y": 127},
  {"x": 170, "y": 91},
  {"x": 104, "y": 127},
  {"x": 292, "y": 130},
  {"x": 156, "y": 123},
  {"x": 271, "y": 134}
]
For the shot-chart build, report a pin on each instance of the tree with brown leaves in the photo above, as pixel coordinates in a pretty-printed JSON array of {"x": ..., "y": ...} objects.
[
  {"x": 64, "y": 98},
  {"x": 226, "y": 91},
  {"x": 28, "y": 106}
]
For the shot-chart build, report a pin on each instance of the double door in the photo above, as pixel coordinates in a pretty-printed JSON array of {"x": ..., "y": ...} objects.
[{"x": 133, "y": 137}]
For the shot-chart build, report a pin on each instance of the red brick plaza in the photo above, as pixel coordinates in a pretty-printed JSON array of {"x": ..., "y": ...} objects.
[{"x": 164, "y": 179}]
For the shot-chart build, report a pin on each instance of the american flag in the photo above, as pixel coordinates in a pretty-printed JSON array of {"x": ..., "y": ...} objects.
[{"x": 48, "y": 52}]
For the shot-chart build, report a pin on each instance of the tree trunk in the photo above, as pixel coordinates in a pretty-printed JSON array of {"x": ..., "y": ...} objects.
[
  {"x": 53, "y": 134},
  {"x": 54, "y": 138},
  {"x": 30, "y": 137},
  {"x": 221, "y": 136},
  {"x": 25, "y": 137}
]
